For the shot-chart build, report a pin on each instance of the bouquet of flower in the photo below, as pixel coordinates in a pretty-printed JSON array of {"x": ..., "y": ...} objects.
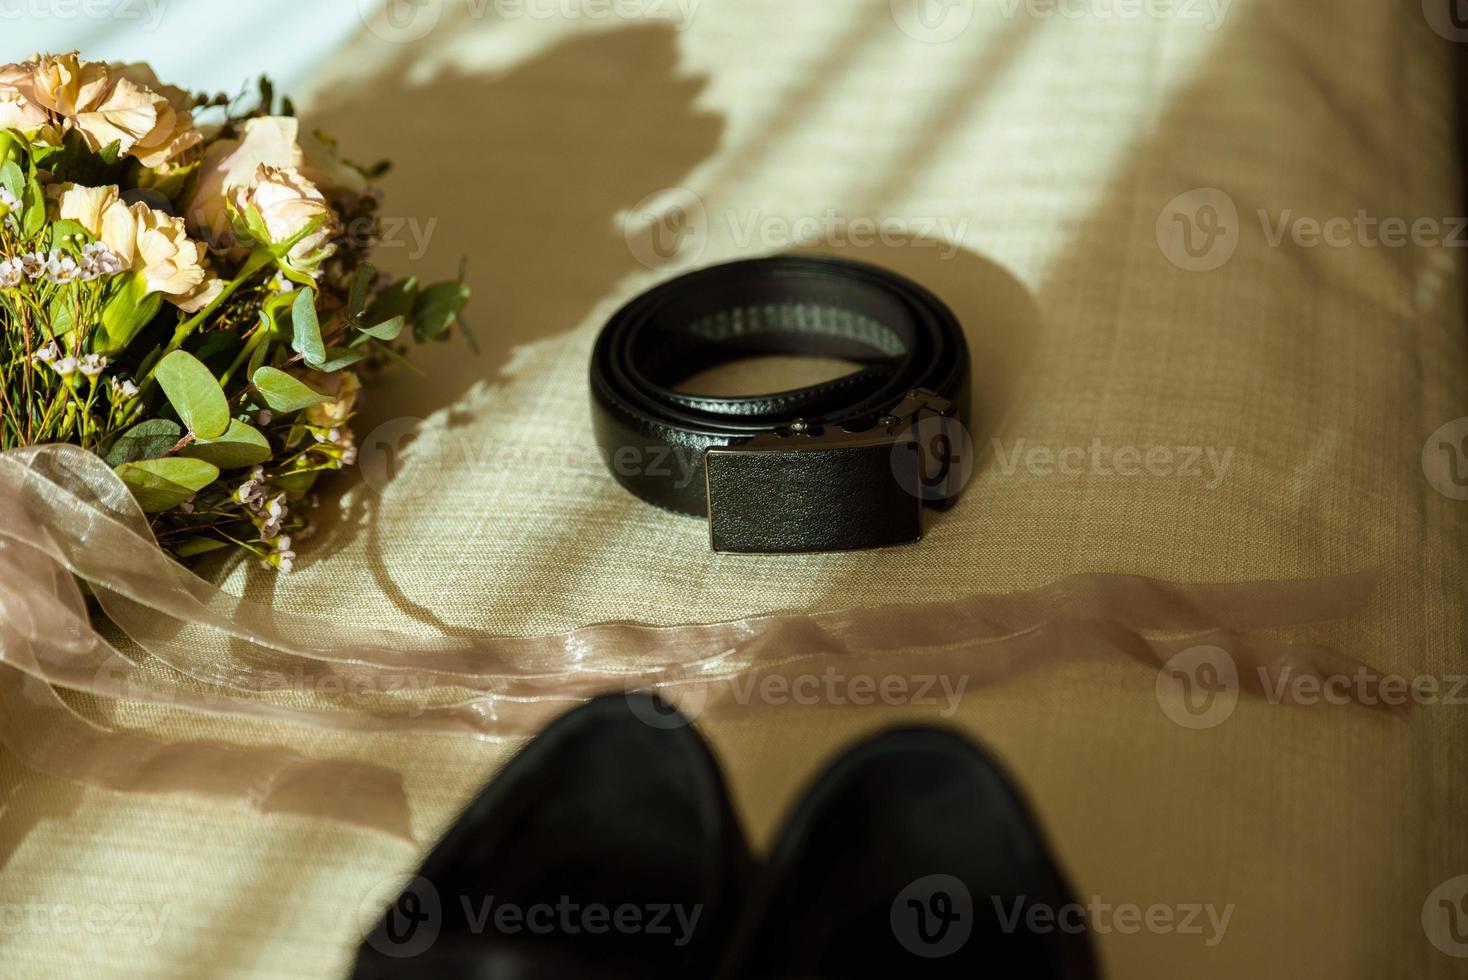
[{"x": 179, "y": 295}]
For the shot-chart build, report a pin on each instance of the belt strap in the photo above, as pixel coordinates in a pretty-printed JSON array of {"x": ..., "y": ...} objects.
[{"x": 847, "y": 463}]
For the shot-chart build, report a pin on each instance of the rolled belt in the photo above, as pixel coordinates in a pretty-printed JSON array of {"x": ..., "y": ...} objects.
[{"x": 847, "y": 463}]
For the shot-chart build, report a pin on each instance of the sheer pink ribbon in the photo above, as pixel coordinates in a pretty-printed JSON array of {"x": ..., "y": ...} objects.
[{"x": 65, "y": 518}]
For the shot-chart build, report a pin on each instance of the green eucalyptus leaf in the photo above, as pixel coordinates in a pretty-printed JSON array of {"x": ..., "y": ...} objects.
[
  {"x": 197, "y": 545},
  {"x": 305, "y": 330},
  {"x": 146, "y": 440},
  {"x": 434, "y": 309},
  {"x": 386, "y": 330},
  {"x": 258, "y": 355},
  {"x": 361, "y": 282},
  {"x": 284, "y": 393},
  {"x": 338, "y": 358},
  {"x": 394, "y": 299},
  {"x": 194, "y": 394},
  {"x": 241, "y": 445},
  {"x": 162, "y": 484},
  {"x": 297, "y": 482}
]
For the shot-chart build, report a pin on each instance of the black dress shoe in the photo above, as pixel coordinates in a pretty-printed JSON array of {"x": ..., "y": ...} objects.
[
  {"x": 606, "y": 849},
  {"x": 913, "y": 857}
]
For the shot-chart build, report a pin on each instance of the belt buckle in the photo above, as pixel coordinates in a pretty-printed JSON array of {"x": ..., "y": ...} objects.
[{"x": 805, "y": 487}]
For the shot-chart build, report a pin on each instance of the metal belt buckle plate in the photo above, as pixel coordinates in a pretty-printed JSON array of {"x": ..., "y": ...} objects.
[{"x": 811, "y": 488}]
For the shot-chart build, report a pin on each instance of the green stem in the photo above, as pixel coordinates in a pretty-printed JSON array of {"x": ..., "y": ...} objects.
[
  {"x": 257, "y": 336},
  {"x": 87, "y": 411},
  {"x": 259, "y": 258},
  {"x": 57, "y": 400}
]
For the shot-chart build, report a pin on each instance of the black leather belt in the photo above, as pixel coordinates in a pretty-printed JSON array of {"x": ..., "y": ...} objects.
[{"x": 848, "y": 463}]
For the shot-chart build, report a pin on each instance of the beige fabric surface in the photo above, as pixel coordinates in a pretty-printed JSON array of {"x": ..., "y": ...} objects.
[{"x": 1048, "y": 149}]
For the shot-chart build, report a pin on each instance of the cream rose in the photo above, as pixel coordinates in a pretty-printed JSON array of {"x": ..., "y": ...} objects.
[
  {"x": 67, "y": 86},
  {"x": 231, "y": 163},
  {"x": 84, "y": 205},
  {"x": 147, "y": 241},
  {"x": 114, "y": 104},
  {"x": 274, "y": 141},
  {"x": 18, "y": 108},
  {"x": 172, "y": 134},
  {"x": 288, "y": 203}
]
